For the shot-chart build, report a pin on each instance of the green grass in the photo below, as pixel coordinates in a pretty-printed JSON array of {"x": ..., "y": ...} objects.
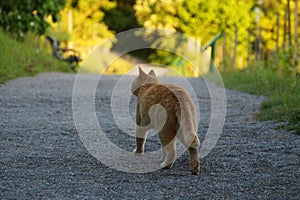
[
  {"x": 26, "y": 58},
  {"x": 283, "y": 92}
]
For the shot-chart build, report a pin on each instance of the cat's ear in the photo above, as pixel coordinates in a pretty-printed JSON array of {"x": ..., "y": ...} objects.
[
  {"x": 152, "y": 72},
  {"x": 141, "y": 72}
]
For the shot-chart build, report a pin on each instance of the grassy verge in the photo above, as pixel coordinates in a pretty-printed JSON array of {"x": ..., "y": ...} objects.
[
  {"x": 25, "y": 58},
  {"x": 283, "y": 92}
]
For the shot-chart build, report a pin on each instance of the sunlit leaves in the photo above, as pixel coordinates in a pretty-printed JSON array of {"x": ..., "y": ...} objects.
[
  {"x": 86, "y": 21},
  {"x": 19, "y": 17},
  {"x": 158, "y": 13},
  {"x": 200, "y": 18}
]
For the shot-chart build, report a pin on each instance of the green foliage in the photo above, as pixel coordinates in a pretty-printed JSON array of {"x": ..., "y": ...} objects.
[
  {"x": 59, "y": 35},
  {"x": 25, "y": 58},
  {"x": 268, "y": 11},
  {"x": 83, "y": 21},
  {"x": 282, "y": 90},
  {"x": 19, "y": 17},
  {"x": 200, "y": 18},
  {"x": 121, "y": 18},
  {"x": 158, "y": 13},
  {"x": 195, "y": 16},
  {"x": 280, "y": 63}
]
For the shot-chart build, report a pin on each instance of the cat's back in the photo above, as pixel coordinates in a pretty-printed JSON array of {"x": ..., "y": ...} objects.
[{"x": 159, "y": 93}]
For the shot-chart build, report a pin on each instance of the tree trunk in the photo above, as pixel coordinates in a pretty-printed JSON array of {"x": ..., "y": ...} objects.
[
  {"x": 284, "y": 30},
  {"x": 249, "y": 47},
  {"x": 70, "y": 27},
  {"x": 296, "y": 37},
  {"x": 277, "y": 36},
  {"x": 289, "y": 24},
  {"x": 235, "y": 47},
  {"x": 258, "y": 53},
  {"x": 277, "y": 31},
  {"x": 224, "y": 45}
]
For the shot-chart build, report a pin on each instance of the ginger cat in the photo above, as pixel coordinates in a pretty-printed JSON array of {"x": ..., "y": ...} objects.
[{"x": 176, "y": 119}]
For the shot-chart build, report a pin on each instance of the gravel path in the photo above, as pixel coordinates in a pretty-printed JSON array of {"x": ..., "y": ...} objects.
[{"x": 42, "y": 156}]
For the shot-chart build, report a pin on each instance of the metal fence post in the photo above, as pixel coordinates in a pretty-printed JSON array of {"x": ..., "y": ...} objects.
[
  {"x": 212, "y": 44},
  {"x": 211, "y": 64}
]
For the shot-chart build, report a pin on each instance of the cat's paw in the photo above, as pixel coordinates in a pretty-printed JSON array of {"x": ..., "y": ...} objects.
[
  {"x": 136, "y": 152},
  {"x": 195, "y": 168},
  {"x": 165, "y": 165}
]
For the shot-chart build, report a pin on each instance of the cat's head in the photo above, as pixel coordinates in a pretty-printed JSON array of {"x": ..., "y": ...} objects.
[{"x": 143, "y": 79}]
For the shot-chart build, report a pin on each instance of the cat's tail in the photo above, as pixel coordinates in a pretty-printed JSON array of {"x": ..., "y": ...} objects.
[{"x": 187, "y": 133}]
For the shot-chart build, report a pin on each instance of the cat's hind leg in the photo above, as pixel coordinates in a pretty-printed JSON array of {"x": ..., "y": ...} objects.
[
  {"x": 140, "y": 138},
  {"x": 169, "y": 154},
  {"x": 191, "y": 141},
  {"x": 194, "y": 160}
]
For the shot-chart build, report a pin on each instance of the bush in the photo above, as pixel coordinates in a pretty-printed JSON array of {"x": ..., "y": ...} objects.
[{"x": 276, "y": 83}]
